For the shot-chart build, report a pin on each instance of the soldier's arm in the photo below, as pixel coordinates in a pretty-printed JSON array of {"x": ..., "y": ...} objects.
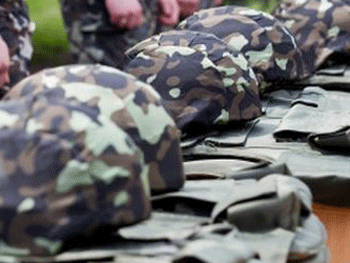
[
  {"x": 4, "y": 63},
  {"x": 169, "y": 12},
  {"x": 125, "y": 13},
  {"x": 188, "y": 7}
]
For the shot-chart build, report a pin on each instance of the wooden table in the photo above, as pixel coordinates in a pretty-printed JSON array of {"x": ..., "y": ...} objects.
[{"x": 337, "y": 223}]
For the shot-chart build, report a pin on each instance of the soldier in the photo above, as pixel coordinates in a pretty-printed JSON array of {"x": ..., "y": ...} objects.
[
  {"x": 78, "y": 156},
  {"x": 100, "y": 31},
  {"x": 202, "y": 82},
  {"x": 15, "y": 43},
  {"x": 267, "y": 44}
]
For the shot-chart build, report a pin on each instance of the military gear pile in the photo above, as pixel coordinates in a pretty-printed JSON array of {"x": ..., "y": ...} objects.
[
  {"x": 311, "y": 151},
  {"x": 80, "y": 149},
  {"x": 83, "y": 147},
  {"x": 201, "y": 81},
  {"x": 267, "y": 44},
  {"x": 321, "y": 29},
  {"x": 268, "y": 220},
  {"x": 78, "y": 154}
]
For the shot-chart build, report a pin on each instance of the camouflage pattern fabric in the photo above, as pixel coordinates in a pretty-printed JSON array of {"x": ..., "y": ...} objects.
[
  {"x": 93, "y": 39},
  {"x": 321, "y": 29},
  {"x": 130, "y": 104},
  {"x": 268, "y": 45},
  {"x": 59, "y": 180},
  {"x": 202, "y": 82},
  {"x": 16, "y": 30}
]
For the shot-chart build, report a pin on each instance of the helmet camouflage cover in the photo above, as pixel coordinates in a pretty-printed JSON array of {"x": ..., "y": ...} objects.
[
  {"x": 77, "y": 147},
  {"x": 268, "y": 45},
  {"x": 131, "y": 104},
  {"x": 202, "y": 82},
  {"x": 321, "y": 27},
  {"x": 66, "y": 172}
]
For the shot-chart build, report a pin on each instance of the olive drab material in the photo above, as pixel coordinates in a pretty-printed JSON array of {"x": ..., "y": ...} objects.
[
  {"x": 271, "y": 217},
  {"x": 335, "y": 78},
  {"x": 306, "y": 129},
  {"x": 267, "y": 44},
  {"x": 59, "y": 180},
  {"x": 202, "y": 82},
  {"x": 321, "y": 29},
  {"x": 131, "y": 104},
  {"x": 218, "y": 221},
  {"x": 315, "y": 111},
  {"x": 16, "y": 30}
]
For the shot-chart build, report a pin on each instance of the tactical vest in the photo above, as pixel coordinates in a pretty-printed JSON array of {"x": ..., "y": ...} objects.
[
  {"x": 305, "y": 129},
  {"x": 215, "y": 221},
  {"x": 241, "y": 202}
]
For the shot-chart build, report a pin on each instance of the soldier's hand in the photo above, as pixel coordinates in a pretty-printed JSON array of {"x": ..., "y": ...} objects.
[
  {"x": 126, "y": 14},
  {"x": 218, "y": 2},
  {"x": 188, "y": 7},
  {"x": 4, "y": 63},
  {"x": 169, "y": 12}
]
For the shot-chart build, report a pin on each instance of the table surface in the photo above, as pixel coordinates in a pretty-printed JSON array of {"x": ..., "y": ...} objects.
[{"x": 337, "y": 223}]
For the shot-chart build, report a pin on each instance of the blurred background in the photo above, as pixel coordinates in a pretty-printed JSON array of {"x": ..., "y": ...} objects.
[{"x": 50, "y": 40}]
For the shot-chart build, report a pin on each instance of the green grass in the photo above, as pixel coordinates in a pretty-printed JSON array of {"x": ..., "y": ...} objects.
[
  {"x": 49, "y": 39},
  {"x": 266, "y": 6}
]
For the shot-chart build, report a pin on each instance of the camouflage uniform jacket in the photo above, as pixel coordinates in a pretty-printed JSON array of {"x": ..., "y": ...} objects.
[
  {"x": 93, "y": 15},
  {"x": 16, "y": 30},
  {"x": 93, "y": 39}
]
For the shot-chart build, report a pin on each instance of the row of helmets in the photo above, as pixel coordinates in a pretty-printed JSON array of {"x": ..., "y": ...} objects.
[
  {"x": 212, "y": 69},
  {"x": 82, "y": 146}
]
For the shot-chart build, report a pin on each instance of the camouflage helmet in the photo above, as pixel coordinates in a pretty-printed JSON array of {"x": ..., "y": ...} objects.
[
  {"x": 268, "y": 45},
  {"x": 202, "y": 82},
  {"x": 59, "y": 181},
  {"x": 321, "y": 28},
  {"x": 129, "y": 103}
]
